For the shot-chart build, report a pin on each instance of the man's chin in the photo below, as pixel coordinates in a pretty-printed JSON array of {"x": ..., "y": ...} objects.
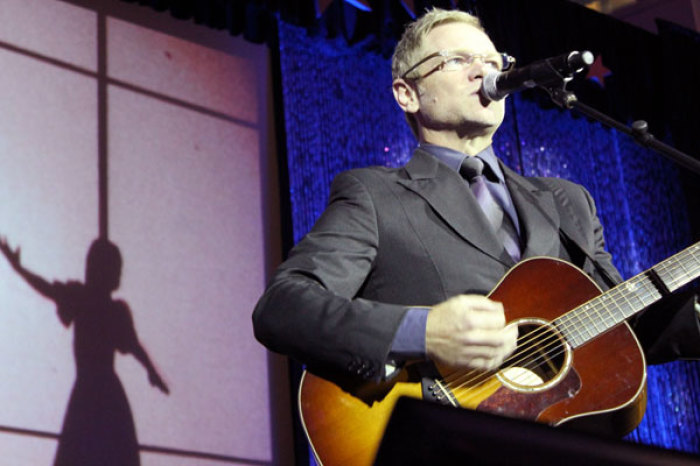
[{"x": 479, "y": 129}]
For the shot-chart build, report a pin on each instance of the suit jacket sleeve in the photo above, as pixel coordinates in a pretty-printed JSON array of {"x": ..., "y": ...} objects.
[{"x": 309, "y": 310}]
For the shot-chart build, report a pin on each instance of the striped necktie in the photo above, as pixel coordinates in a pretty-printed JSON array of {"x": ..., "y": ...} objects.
[{"x": 472, "y": 169}]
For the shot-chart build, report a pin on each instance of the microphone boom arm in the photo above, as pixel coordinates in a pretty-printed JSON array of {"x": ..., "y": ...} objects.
[{"x": 638, "y": 130}]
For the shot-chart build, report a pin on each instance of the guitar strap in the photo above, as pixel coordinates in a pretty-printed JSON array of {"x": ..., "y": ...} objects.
[{"x": 563, "y": 204}]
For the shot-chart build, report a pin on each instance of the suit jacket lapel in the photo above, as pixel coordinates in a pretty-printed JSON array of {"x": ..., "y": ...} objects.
[
  {"x": 538, "y": 215},
  {"x": 450, "y": 197}
]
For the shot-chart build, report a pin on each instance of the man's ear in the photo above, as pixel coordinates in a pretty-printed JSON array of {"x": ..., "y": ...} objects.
[{"x": 406, "y": 95}]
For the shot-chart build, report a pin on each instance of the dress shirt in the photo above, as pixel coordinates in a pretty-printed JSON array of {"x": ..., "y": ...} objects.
[{"x": 409, "y": 342}]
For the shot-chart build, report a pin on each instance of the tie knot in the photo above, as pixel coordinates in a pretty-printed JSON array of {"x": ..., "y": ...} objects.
[{"x": 471, "y": 167}]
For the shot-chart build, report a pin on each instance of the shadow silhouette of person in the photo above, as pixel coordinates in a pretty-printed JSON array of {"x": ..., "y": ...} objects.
[{"x": 98, "y": 427}]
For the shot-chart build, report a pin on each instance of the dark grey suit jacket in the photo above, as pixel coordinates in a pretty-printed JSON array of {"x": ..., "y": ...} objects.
[{"x": 409, "y": 236}]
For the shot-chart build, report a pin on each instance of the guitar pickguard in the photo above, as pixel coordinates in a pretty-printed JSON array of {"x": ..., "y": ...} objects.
[{"x": 529, "y": 405}]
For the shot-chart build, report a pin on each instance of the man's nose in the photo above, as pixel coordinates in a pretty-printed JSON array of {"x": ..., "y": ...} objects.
[{"x": 477, "y": 68}]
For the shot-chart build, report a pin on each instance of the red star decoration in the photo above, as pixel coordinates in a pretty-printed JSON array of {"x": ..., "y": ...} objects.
[{"x": 598, "y": 72}]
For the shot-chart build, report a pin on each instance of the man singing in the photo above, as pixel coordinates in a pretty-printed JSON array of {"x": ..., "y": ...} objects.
[{"x": 397, "y": 268}]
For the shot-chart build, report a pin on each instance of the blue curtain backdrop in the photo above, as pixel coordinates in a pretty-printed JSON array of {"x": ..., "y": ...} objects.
[{"x": 339, "y": 113}]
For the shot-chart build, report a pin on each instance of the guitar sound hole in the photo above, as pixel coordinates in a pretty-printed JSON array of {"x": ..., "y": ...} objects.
[{"x": 539, "y": 361}]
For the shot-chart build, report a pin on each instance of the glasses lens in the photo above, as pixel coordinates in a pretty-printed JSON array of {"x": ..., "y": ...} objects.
[
  {"x": 455, "y": 61},
  {"x": 496, "y": 61}
]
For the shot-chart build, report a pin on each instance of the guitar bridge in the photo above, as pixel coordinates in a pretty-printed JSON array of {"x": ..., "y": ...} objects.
[{"x": 434, "y": 390}]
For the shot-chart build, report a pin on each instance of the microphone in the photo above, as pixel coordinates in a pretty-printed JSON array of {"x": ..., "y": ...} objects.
[{"x": 548, "y": 72}]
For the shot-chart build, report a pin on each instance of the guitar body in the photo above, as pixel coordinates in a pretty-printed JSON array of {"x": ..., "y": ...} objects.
[{"x": 597, "y": 386}]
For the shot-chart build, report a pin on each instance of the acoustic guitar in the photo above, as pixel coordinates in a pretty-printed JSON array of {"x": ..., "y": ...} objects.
[{"x": 577, "y": 362}]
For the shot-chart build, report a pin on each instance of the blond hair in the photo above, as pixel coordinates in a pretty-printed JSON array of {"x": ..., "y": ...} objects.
[
  {"x": 406, "y": 51},
  {"x": 412, "y": 39}
]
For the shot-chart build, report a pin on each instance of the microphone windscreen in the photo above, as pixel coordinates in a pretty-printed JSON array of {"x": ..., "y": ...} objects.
[{"x": 489, "y": 86}]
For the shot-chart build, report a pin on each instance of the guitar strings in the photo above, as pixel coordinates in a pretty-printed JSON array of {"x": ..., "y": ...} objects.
[
  {"x": 614, "y": 297},
  {"x": 486, "y": 376},
  {"x": 532, "y": 337}
]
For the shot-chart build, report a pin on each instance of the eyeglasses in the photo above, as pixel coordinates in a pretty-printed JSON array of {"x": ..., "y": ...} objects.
[{"x": 457, "y": 60}]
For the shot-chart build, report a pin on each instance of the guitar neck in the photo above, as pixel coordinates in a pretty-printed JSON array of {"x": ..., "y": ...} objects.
[{"x": 604, "y": 312}]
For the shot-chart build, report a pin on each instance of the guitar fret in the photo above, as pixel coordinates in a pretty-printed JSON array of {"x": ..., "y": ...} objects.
[
  {"x": 667, "y": 276},
  {"x": 570, "y": 330},
  {"x": 623, "y": 301},
  {"x": 622, "y": 311},
  {"x": 651, "y": 293},
  {"x": 609, "y": 318},
  {"x": 677, "y": 280},
  {"x": 626, "y": 297},
  {"x": 595, "y": 317},
  {"x": 594, "y": 320},
  {"x": 640, "y": 289},
  {"x": 695, "y": 254},
  {"x": 602, "y": 304},
  {"x": 632, "y": 288},
  {"x": 687, "y": 271},
  {"x": 586, "y": 329},
  {"x": 680, "y": 269}
]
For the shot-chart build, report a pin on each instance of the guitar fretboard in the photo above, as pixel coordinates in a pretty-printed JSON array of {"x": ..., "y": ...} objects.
[{"x": 604, "y": 312}]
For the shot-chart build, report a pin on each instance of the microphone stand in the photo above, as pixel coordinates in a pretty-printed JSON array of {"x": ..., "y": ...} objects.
[{"x": 638, "y": 130}]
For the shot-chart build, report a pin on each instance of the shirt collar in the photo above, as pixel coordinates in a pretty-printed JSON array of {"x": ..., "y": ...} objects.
[{"x": 454, "y": 159}]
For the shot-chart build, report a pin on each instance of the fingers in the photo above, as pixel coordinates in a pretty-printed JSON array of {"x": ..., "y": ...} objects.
[
  {"x": 511, "y": 339},
  {"x": 491, "y": 355},
  {"x": 469, "y": 331},
  {"x": 483, "y": 352}
]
